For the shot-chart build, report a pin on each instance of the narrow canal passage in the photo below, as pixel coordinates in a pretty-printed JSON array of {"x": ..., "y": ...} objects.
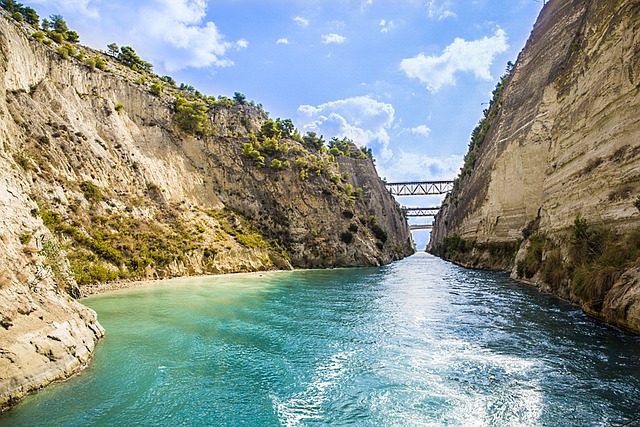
[{"x": 420, "y": 342}]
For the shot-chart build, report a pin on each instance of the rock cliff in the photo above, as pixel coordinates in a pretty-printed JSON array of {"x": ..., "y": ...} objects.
[
  {"x": 553, "y": 194},
  {"x": 114, "y": 174}
]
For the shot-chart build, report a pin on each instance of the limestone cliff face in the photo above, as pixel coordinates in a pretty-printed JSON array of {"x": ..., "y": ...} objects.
[
  {"x": 565, "y": 141},
  {"x": 100, "y": 183}
]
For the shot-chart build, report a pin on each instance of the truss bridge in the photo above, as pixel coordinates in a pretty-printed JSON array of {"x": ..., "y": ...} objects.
[
  {"x": 417, "y": 212},
  {"x": 424, "y": 188},
  {"x": 421, "y": 227}
]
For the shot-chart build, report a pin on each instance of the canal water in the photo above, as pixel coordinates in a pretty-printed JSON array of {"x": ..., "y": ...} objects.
[{"x": 420, "y": 342}]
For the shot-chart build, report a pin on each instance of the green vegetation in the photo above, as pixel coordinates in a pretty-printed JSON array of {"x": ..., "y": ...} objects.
[
  {"x": 156, "y": 89},
  {"x": 96, "y": 62},
  {"x": 91, "y": 191},
  {"x": 20, "y": 13},
  {"x": 532, "y": 261},
  {"x": 346, "y": 147},
  {"x": 130, "y": 58},
  {"x": 25, "y": 237},
  {"x": 192, "y": 115},
  {"x": 38, "y": 36},
  {"x": 66, "y": 50},
  {"x": 311, "y": 140},
  {"x": 346, "y": 237},
  {"x": 479, "y": 133},
  {"x": 596, "y": 258},
  {"x": 471, "y": 253},
  {"x": 55, "y": 260},
  {"x": 118, "y": 107}
]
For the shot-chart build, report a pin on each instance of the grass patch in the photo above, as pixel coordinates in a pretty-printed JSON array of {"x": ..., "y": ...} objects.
[{"x": 594, "y": 260}]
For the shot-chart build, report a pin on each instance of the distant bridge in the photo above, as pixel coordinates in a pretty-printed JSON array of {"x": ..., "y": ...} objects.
[
  {"x": 420, "y": 211},
  {"x": 424, "y": 188},
  {"x": 421, "y": 227}
]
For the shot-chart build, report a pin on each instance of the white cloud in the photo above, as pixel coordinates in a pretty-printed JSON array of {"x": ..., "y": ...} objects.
[
  {"x": 283, "y": 41},
  {"x": 301, "y": 21},
  {"x": 81, "y": 6},
  {"x": 440, "y": 10},
  {"x": 172, "y": 34},
  {"x": 386, "y": 25},
  {"x": 175, "y": 30},
  {"x": 333, "y": 38},
  {"x": 407, "y": 166},
  {"x": 361, "y": 119},
  {"x": 460, "y": 56},
  {"x": 421, "y": 130}
]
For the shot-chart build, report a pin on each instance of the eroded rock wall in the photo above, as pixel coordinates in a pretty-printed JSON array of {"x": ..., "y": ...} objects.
[
  {"x": 99, "y": 183},
  {"x": 565, "y": 141}
]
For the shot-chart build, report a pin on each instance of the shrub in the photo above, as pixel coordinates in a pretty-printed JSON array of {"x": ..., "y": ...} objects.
[
  {"x": 38, "y": 36},
  {"x": 533, "y": 258},
  {"x": 156, "y": 89},
  {"x": 276, "y": 164},
  {"x": 346, "y": 237},
  {"x": 347, "y": 214},
  {"x": 56, "y": 37},
  {"x": 380, "y": 234},
  {"x": 51, "y": 219},
  {"x": 91, "y": 191},
  {"x": 25, "y": 237},
  {"x": 66, "y": 50},
  {"x": 192, "y": 116},
  {"x": 599, "y": 256},
  {"x": 101, "y": 63}
]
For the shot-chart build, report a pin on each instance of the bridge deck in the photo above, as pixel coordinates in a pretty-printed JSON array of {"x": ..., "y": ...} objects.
[
  {"x": 415, "y": 212},
  {"x": 421, "y": 227},
  {"x": 424, "y": 188}
]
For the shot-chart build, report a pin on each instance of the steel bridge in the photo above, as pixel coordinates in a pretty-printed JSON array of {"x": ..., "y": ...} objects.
[
  {"x": 424, "y": 188},
  {"x": 421, "y": 227},
  {"x": 415, "y": 212},
  {"x": 420, "y": 188}
]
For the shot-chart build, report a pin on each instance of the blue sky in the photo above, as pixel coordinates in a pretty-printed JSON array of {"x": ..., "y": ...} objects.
[{"x": 403, "y": 77}]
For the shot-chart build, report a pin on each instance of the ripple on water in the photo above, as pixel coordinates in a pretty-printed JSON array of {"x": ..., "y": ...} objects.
[{"x": 420, "y": 342}]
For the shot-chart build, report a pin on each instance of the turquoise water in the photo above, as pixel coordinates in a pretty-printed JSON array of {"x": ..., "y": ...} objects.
[{"x": 418, "y": 343}]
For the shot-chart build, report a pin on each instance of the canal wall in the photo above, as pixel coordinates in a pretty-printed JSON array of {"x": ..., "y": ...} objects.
[
  {"x": 550, "y": 189},
  {"x": 113, "y": 174}
]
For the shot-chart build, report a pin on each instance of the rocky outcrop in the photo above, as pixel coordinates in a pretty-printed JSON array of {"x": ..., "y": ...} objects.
[
  {"x": 562, "y": 147},
  {"x": 105, "y": 177},
  {"x": 44, "y": 334}
]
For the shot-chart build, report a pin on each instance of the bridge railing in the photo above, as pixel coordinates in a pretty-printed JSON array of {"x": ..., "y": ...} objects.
[
  {"x": 421, "y": 227},
  {"x": 424, "y": 188},
  {"x": 432, "y": 211}
]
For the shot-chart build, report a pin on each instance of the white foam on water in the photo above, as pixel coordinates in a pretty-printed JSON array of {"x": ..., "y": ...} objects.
[
  {"x": 307, "y": 404},
  {"x": 461, "y": 384}
]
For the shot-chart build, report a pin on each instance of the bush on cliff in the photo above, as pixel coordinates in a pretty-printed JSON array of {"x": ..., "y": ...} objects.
[
  {"x": 192, "y": 115},
  {"x": 596, "y": 258}
]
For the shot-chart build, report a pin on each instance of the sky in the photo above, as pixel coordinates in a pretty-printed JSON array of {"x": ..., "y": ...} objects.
[{"x": 406, "y": 78}]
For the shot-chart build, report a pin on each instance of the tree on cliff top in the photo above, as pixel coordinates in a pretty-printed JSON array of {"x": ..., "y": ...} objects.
[
  {"x": 129, "y": 58},
  {"x": 27, "y": 13}
]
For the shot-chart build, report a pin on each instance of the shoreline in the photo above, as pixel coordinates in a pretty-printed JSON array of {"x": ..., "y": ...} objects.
[{"x": 87, "y": 291}]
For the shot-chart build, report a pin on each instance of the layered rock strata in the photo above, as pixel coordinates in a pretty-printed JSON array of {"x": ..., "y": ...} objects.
[
  {"x": 101, "y": 182},
  {"x": 564, "y": 147}
]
